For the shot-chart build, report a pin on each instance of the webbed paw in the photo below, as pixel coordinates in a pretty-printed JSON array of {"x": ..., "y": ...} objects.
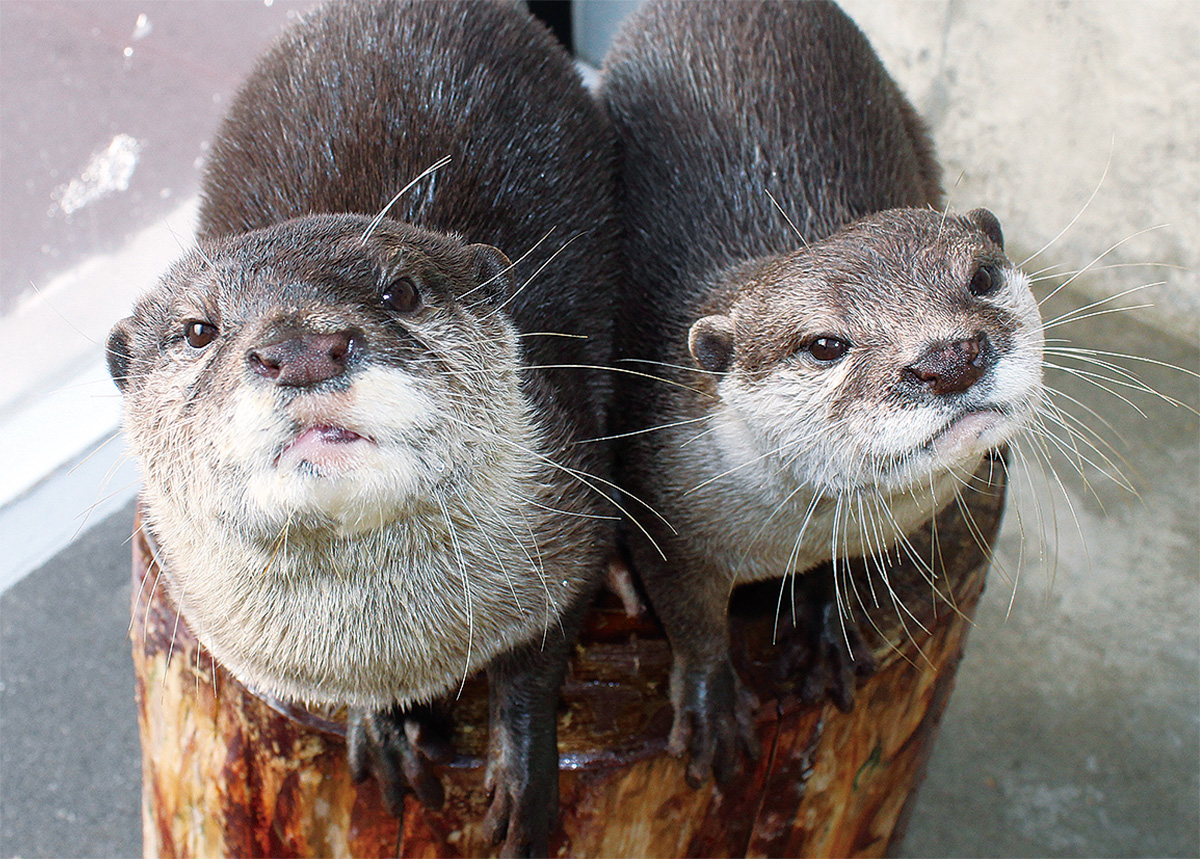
[
  {"x": 714, "y": 721},
  {"x": 400, "y": 748}
]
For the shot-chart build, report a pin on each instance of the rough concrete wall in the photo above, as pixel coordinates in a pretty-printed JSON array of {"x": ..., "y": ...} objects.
[{"x": 1030, "y": 100}]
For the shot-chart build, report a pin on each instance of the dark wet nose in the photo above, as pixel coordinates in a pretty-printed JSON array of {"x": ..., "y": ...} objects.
[
  {"x": 305, "y": 359},
  {"x": 951, "y": 368}
]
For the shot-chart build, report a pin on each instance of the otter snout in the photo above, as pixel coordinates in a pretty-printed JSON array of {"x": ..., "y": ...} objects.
[
  {"x": 951, "y": 368},
  {"x": 306, "y": 359}
]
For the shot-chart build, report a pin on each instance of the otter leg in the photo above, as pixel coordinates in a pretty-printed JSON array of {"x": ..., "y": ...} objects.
[
  {"x": 826, "y": 652},
  {"x": 714, "y": 712},
  {"x": 399, "y": 747},
  {"x": 522, "y": 769}
]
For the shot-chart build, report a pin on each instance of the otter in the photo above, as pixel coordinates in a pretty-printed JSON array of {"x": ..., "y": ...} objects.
[
  {"x": 359, "y": 426},
  {"x": 835, "y": 352}
]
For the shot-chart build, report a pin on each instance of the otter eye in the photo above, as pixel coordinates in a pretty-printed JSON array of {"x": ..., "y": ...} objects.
[
  {"x": 199, "y": 334},
  {"x": 827, "y": 349},
  {"x": 985, "y": 281},
  {"x": 402, "y": 296}
]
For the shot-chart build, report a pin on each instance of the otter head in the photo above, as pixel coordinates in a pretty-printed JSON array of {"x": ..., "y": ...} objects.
[
  {"x": 318, "y": 374},
  {"x": 902, "y": 347}
]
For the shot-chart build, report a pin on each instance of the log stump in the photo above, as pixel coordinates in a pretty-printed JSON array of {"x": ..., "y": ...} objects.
[{"x": 227, "y": 773}]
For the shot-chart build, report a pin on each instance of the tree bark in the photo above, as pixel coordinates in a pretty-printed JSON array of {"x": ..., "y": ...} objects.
[{"x": 227, "y": 773}]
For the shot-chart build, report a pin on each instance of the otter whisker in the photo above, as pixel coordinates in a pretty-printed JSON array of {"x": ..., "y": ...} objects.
[
  {"x": 1044, "y": 275},
  {"x": 514, "y": 263},
  {"x": 1083, "y": 352},
  {"x": 1097, "y": 379},
  {"x": 174, "y": 633},
  {"x": 1077, "y": 460},
  {"x": 697, "y": 369},
  {"x": 584, "y": 478},
  {"x": 1076, "y": 314},
  {"x": 795, "y": 229},
  {"x": 1078, "y": 215},
  {"x": 1070, "y": 509},
  {"x": 538, "y": 271},
  {"x": 787, "y": 570},
  {"x": 1040, "y": 462},
  {"x": 467, "y": 596},
  {"x": 86, "y": 512},
  {"x": 1052, "y": 394},
  {"x": 1088, "y": 267},
  {"x": 611, "y": 369},
  {"x": 378, "y": 219},
  {"x": 1082, "y": 433},
  {"x": 631, "y": 433},
  {"x": 495, "y": 553},
  {"x": 1131, "y": 379}
]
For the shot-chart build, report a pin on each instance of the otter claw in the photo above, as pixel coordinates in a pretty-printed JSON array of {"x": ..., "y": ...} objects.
[
  {"x": 714, "y": 724},
  {"x": 513, "y": 818},
  {"x": 828, "y": 654},
  {"x": 399, "y": 748}
]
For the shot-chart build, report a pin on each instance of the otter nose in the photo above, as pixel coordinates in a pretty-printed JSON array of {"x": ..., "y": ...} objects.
[
  {"x": 305, "y": 359},
  {"x": 951, "y": 368}
]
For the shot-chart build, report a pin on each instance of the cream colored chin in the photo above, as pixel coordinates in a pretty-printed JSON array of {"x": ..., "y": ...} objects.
[
  {"x": 356, "y": 483},
  {"x": 358, "y": 489}
]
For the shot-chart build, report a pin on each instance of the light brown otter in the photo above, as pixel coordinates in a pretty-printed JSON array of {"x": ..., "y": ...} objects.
[
  {"x": 359, "y": 436},
  {"x": 838, "y": 353}
]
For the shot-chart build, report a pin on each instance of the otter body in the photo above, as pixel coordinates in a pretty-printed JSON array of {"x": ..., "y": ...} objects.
[
  {"x": 837, "y": 353},
  {"x": 358, "y": 435}
]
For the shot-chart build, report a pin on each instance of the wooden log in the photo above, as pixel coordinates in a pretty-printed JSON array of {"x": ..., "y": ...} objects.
[{"x": 227, "y": 773}]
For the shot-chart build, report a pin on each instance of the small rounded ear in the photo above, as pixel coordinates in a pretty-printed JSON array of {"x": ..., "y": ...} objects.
[
  {"x": 492, "y": 271},
  {"x": 711, "y": 343},
  {"x": 987, "y": 222},
  {"x": 117, "y": 352}
]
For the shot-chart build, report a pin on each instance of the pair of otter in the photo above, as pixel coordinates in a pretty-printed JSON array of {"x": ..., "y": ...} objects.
[{"x": 362, "y": 429}]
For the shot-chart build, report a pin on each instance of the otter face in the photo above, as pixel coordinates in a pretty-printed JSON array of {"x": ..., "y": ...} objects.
[
  {"x": 306, "y": 376},
  {"x": 898, "y": 350}
]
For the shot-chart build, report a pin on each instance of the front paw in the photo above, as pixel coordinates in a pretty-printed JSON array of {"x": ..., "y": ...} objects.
[
  {"x": 400, "y": 748},
  {"x": 826, "y": 654},
  {"x": 521, "y": 815},
  {"x": 714, "y": 721}
]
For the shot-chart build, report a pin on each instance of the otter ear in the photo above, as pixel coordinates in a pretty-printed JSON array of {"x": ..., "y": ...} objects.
[
  {"x": 492, "y": 273},
  {"x": 987, "y": 222},
  {"x": 117, "y": 351},
  {"x": 711, "y": 343}
]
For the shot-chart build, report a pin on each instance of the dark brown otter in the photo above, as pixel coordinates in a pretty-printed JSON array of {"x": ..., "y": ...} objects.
[
  {"x": 360, "y": 436},
  {"x": 836, "y": 355}
]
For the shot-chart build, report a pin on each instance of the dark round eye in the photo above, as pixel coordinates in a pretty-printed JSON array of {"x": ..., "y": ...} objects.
[
  {"x": 985, "y": 281},
  {"x": 199, "y": 334},
  {"x": 402, "y": 296},
  {"x": 827, "y": 349}
]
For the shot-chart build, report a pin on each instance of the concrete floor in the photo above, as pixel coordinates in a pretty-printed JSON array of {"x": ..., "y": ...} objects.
[{"x": 1075, "y": 727}]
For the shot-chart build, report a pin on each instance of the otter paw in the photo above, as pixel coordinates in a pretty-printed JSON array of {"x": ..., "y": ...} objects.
[
  {"x": 521, "y": 814},
  {"x": 828, "y": 655},
  {"x": 399, "y": 747},
  {"x": 714, "y": 722}
]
